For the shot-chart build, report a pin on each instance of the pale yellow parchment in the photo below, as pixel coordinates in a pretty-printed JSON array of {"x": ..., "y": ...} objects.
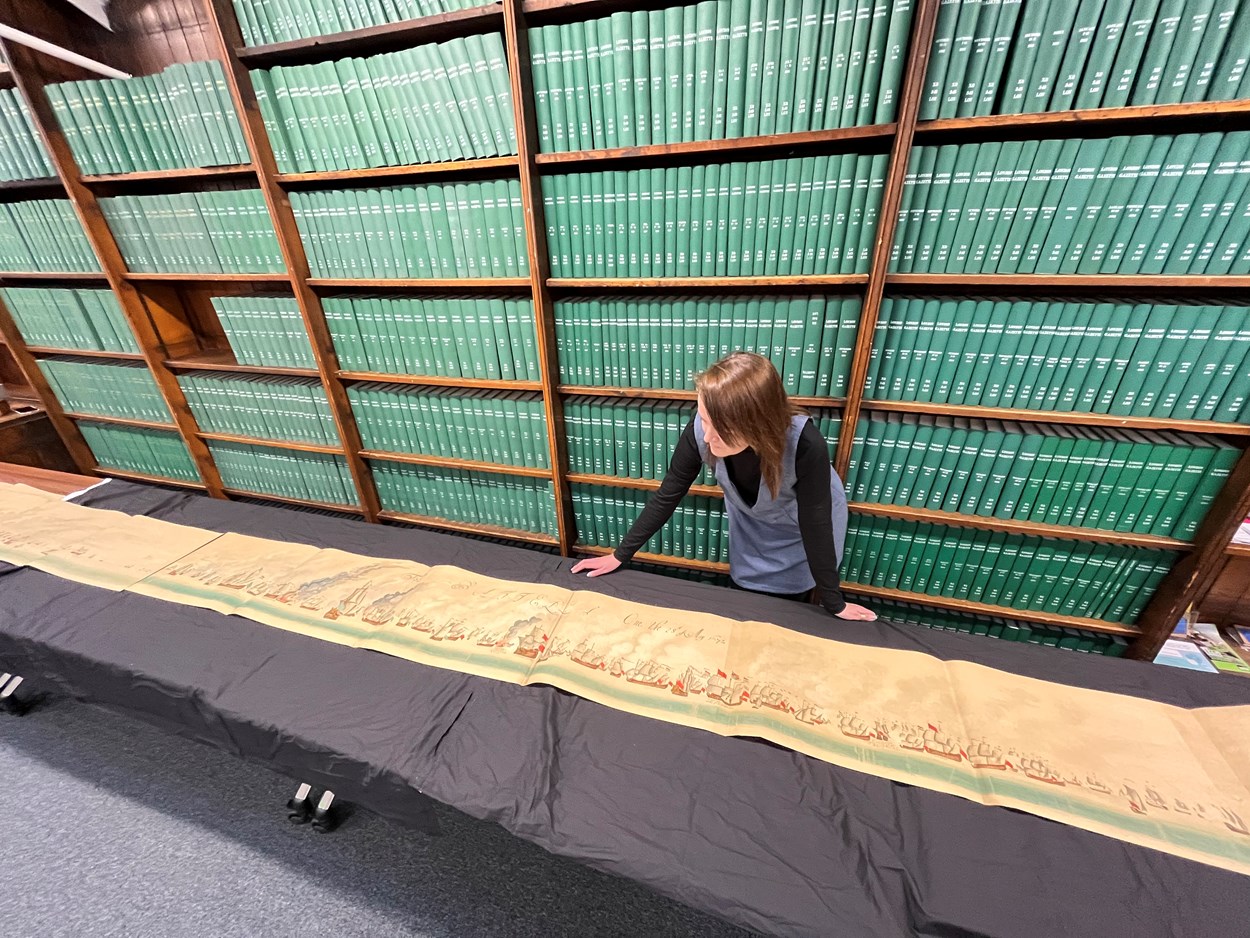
[{"x": 109, "y": 549}]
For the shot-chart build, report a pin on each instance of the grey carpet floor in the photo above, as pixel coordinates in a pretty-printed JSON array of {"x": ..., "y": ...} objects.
[{"x": 109, "y": 827}]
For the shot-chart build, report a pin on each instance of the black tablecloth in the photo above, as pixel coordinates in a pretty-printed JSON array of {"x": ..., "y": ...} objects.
[{"x": 758, "y": 834}]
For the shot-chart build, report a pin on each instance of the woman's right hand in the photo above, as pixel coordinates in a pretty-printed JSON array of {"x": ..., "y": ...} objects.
[{"x": 596, "y": 566}]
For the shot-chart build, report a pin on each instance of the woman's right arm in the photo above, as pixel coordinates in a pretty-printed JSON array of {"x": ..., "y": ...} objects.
[{"x": 683, "y": 469}]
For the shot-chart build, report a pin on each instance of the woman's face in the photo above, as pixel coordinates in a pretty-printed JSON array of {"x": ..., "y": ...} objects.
[{"x": 719, "y": 446}]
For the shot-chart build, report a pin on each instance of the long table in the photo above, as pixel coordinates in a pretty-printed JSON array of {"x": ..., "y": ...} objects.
[{"x": 757, "y": 834}]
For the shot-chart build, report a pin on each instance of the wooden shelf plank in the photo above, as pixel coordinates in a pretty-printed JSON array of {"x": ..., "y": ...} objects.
[
  {"x": 308, "y": 503},
  {"x": 449, "y": 462},
  {"x": 85, "y": 353},
  {"x": 31, "y": 188},
  {"x": 985, "y": 609},
  {"x": 224, "y": 361},
  {"x": 467, "y": 284},
  {"x": 1109, "y": 283},
  {"x": 732, "y": 149},
  {"x": 1009, "y": 526},
  {"x": 678, "y": 394},
  {"x": 1076, "y": 123},
  {"x": 186, "y": 174},
  {"x": 685, "y": 283},
  {"x": 1238, "y": 550},
  {"x": 122, "y": 421},
  {"x": 274, "y": 444},
  {"x": 173, "y": 277},
  {"x": 440, "y": 382},
  {"x": 490, "y": 164},
  {"x": 374, "y": 38},
  {"x": 685, "y": 563},
  {"x": 72, "y": 276},
  {"x": 463, "y": 527},
  {"x": 1060, "y": 416},
  {"x": 143, "y": 477},
  {"x": 713, "y": 491}
]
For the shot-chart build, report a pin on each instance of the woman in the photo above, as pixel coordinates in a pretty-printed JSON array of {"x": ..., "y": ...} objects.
[{"x": 787, "y": 508}]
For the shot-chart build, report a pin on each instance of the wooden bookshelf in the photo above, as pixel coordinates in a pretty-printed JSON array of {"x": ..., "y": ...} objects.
[
  {"x": 285, "y": 500},
  {"x": 144, "y": 477},
  {"x": 1102, "y": 283},
  {"x": 464, "y": 527},
  {"x": 1238, "y": 550},
  {"x": 188, "y": 175},
  {"x": 372, "y": 39},
  {"x": 726, "y": 284},
  {"x": 225, "y": 361},
  {"x": 85, "y": 353},
  {"x": 207, "y": 277},
  {"x": 1024, "y": 528},
  {"x": 440, "y": 382},
  {"x": 465, "y": 285},
  {"x": 1059, "y": 416},
  {"x": 987, "y": 609},
  {"x": 664, "y": 560},
  {"x": 677, "y": 394},
  {"x": 45, "y": 188},
  {"x": 494, "y": 167},
  {"x": 450, "y": 462},
  {"x": 123, "y": 421},
  {"x": 951, "y": 519},
  {"x": 1189, "y": 117},
  {"x": 173, "y": 341},
  {"x": 739, "y": 148},
  {"x": 145, "y": 318},
  {"x": 224, "y": 41},
  {"x": 649, "y": 485},
  {"x": 16, "y": 277},
  {"x": 294, "y": 445}
]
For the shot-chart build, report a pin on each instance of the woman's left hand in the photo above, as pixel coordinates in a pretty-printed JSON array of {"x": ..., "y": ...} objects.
[{"x": 857, "y": 613}]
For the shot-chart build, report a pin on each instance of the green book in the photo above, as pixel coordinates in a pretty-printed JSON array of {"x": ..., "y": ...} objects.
[
  {"x": 950, "y": 214},
  {"x": 821, "y": 65},
  {"x": 1194, "y": 328},
  {"x": 940, "y": 58},
  {"x": 1204, "y": 213},
  {"x": 1090, "y": 220},
  {"x": 1197, "y": 25},
  {"x": 769, "y": 99},
  {"x": 1184, "y": 198},
  {"x": 972, "y": 13},
  {"x": 1058, "y": 32},
  {"x": 944, "y": 476},
  {"x": 673, "y": 77},
  {"x": 798, "y": 100},
  {"x": 1229, "y": 79},
  {"x": 1081, "y": 40},
  {"x": 976, "y": 197},
  {"x": 1070, "y": 207}
]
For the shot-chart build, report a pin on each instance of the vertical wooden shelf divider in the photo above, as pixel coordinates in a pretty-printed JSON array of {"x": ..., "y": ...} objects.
[
  {"x": 68, "y": 431},
  {"x": 225, "y": 37},
  {"x": 139, "y": 314},
  {"x": 517, "y": 46},
  {"x": 920, "y": 43},
  {"x": 1193, "y": 576}
]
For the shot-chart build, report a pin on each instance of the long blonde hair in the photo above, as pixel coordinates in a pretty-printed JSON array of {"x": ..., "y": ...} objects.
[{"x": 747, "y": 402}]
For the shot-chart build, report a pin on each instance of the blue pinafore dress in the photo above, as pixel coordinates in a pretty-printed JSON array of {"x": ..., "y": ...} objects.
[{"x": 765, "y": 546}]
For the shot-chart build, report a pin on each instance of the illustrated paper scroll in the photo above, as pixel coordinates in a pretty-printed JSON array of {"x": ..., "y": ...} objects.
[{"x": 1148, "y": 773}]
